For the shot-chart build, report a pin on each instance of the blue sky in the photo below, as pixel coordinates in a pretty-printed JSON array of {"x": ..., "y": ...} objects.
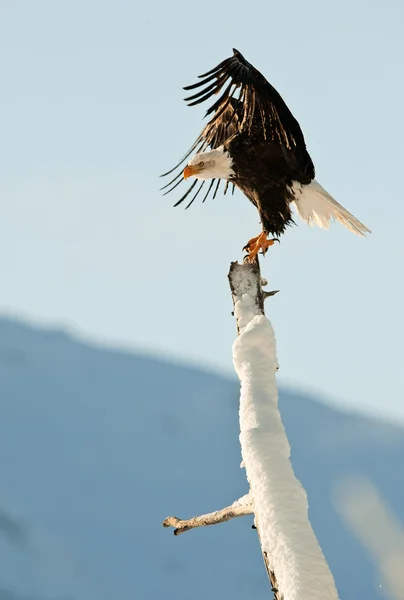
[{"x": 92, "y": 113}]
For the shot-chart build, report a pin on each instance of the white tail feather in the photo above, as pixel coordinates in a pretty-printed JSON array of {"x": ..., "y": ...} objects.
[{"x": 317, "y": 207}]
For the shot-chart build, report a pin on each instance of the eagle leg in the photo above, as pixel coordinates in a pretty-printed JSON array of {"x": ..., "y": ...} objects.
[{"x": 258, "y": 243}]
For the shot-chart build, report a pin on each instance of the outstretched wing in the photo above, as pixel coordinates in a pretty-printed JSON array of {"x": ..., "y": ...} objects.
[
  {"x": 212, "y": 136},
  {"x": 258, "y": 106}
]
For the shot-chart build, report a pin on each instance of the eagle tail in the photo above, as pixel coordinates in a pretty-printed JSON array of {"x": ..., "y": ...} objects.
[{"x": 315, "y": 206}]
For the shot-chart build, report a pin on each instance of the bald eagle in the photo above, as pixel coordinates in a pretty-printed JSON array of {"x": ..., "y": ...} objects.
[{"x": 253, "y": 142}]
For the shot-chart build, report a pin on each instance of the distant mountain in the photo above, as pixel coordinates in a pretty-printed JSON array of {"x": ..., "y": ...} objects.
[{"x": 98, "y": 446}]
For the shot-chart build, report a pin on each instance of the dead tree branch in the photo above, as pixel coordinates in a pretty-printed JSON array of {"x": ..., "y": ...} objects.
[
  {"x": 298, "y": 573},
  {"x": 244, "y": 278},
  {"x": 238, "y": 509}
]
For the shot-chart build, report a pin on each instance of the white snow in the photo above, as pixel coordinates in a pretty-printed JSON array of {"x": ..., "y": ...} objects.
[
  {"x": 243, "y": 501},
  {"x": 280, "y": 502},
  {"x": 245, "y": 281}
]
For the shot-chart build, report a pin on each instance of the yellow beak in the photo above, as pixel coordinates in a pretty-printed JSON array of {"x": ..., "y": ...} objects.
[{"x": 191, "y": 170}]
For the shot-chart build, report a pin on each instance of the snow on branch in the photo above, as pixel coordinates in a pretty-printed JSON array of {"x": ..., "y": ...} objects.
[
  {"x": 291, "y": 551},
  {"x": 295, "y": 564}
]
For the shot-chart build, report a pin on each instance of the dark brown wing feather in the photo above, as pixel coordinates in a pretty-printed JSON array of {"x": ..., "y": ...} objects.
[
  {"x": 258, "y": 103},
  {"x": 212, "y": 136}
]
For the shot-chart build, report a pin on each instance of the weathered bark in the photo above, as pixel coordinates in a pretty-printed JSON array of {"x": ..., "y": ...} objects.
[
  {"x": 238, "y": 509},
  {"x": 243, "y": 278}
]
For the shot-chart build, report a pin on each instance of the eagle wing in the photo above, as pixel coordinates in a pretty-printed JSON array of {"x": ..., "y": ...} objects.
[
  {"x": 212, "y": 136},
  {"x": 258, "y": 105}
]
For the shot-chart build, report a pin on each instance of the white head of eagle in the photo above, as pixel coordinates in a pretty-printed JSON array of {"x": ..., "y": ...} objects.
[{"x": 216, "y": 164}]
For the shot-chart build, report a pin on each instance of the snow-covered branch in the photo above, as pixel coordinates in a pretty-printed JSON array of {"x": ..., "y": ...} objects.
[
  {"x": 246, "y": 280},
  {"x": 291, "y": 551},
  {"x": 240, "y": 508},
  {"x": 295, "y": 564}
]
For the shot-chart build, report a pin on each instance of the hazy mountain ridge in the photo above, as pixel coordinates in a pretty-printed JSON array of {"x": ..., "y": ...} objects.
[{"x": 99, "y": 445}]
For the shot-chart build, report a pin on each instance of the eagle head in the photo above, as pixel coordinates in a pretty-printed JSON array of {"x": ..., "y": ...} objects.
[{"x": 216, "y": 164}]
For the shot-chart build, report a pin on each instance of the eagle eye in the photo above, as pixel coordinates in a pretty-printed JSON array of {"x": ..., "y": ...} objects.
[{"x": 201, "y": 164}]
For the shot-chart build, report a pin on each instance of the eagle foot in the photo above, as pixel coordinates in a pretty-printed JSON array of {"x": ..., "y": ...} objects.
[{"x": 257, "y": 244}]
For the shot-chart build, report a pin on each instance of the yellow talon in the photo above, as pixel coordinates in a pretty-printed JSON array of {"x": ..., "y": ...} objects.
[{"x": 258, "y": 243}]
